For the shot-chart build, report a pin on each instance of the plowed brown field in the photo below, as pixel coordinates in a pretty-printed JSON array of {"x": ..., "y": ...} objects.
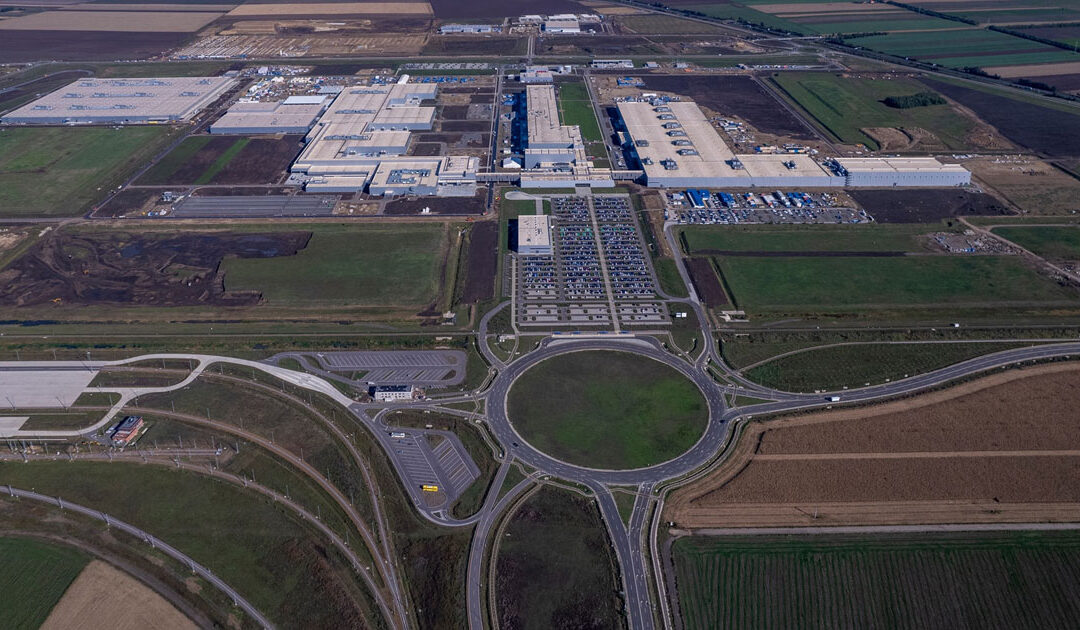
[{"x": 1005, "y": 448}]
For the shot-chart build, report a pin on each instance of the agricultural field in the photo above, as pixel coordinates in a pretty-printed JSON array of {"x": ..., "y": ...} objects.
[
  {"x": 269, "y": 556},
  {"x": 842, "y": 366},
  {"x": 962, "y": 580},
  {"x": 93, "y": 595},
  {"x": 225, "y": 160},
  {"x": 1059, "y": 243},
  {"x": 965, "y": 48},
  {"x": 654, "y": 24},
  {"x": 112, "y": 21},
  {"x": 733, "y": 96},
  {"x": 34, "y": 576},
  {"x": 1044, "y": 127},
  {"x": 772, "y": 239},
  {"x": 61, "y": 171},
  {"x": 850, "y": 108},
  {"x": 575, "y": 586},
  {"x": 868, "y": 285},
  {"x": 607, "y": 409},
  {"x": 998, "y": 449}
]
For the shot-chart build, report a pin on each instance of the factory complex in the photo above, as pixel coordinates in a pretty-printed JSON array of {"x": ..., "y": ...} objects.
[
  {"x": 677, "y": 147},
  {"x": 122, "y": 101},
  {"x": 360, "y": 141}
]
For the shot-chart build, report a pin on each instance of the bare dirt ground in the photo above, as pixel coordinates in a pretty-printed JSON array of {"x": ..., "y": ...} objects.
[
  {"x": 1031, "y": 184},
  {"x": 905, "y": 139},
  {"x": 160, "y": 269},
  {"x": 1005, "y": 448},
  {"x": 104, "y": 598}
]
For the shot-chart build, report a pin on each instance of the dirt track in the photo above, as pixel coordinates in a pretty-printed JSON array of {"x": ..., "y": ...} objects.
[{"x": 1005, "y": 448}]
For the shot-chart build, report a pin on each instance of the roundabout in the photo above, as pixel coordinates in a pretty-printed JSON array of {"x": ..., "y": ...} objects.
[{"x": 607, "y": 409}]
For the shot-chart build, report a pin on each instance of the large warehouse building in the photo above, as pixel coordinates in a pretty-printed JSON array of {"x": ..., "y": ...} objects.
[
  {"x": 534, "y": 235},
  {"x": 295, "y": 114},
  {"x": 678, "y": 147},
  {"x": 123, "y": 101},
  {"x": 360, "y": 143}
]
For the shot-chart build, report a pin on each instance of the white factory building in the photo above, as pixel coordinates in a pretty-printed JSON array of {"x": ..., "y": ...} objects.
[
  {"x": 360, "y": 143},
  {"x": 534, "y": 235},
  {"x": 555, "y": 153},
  {"x": 295, "y": 114},
  {"x": 678, "y": 147},
  {"x": 123, "y": 101}
]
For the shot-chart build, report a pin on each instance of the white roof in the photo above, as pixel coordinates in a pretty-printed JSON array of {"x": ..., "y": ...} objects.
[
  {"x": 534, "y": 230},
  {"x": 304, "y": 100}
]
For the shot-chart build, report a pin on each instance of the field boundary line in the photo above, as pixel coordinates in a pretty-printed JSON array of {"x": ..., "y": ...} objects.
[{"x": 879, "y": 529}]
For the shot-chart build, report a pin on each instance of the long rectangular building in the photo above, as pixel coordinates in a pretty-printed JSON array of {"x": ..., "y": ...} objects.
[
  {"x": 292, "y": 115},
  {"x": 123, "y": 101},
  {"x": 679, "y": 148}
]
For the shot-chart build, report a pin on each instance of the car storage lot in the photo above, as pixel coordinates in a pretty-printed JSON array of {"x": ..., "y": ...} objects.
[{"x": 578, "y": 284}]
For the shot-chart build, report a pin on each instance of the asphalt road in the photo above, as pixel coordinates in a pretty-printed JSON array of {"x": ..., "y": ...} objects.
[{"x": 627, "y": 541}]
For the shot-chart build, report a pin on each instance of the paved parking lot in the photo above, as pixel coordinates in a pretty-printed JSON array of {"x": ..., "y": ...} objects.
[
  {"x": 598, "y": 274},
  {"x": 447, "y": 465},
  {"x": 416, "y": 367},
  {"x": 722, "y": 208},
  {"x": 261, "y": 206}
]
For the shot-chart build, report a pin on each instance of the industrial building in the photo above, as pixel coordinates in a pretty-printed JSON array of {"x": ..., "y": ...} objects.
[
  {"x": 126, "y": 430},
  {"x": 678, "y": 147},
  {"x": 123, "y": 101},
  {"x": 566, "y": 24},
  {"x": 907, "y": 171},
  {"x": 295, "y": 114},
  {"x": 446, "y": 29},
  {"x": 360, "y": 143},
  {"x": 534, "y": 235},
  {"x": 388, "y": 393},
  {"x": 536, "y": 75},
  {"x": 554, "y": 153},
  {"x": 608, "y": 64}
]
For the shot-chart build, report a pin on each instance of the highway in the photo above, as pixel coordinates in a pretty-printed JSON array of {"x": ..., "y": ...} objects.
[{"x": 626, "y": 541}]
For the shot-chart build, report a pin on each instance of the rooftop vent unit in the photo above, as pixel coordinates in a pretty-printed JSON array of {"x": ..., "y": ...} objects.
[
  {"x": 678, "y": 133},
  {"x": 666, "y": 116},
  {"x": 687, "y": 152},
  {"x": 662, "y": 109},
  {"x": 671, "y": 125},
  {"x": 682, "y": 143},
  {"x": 641, "y": 143},
  {"x": 736, "y": 164},
  {"x": 669, "y": 164},
  {"x": 790, "y": 164}
]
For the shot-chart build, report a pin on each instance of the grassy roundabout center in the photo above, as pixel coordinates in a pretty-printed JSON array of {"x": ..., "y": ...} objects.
[{"x": 607, "y": 409}]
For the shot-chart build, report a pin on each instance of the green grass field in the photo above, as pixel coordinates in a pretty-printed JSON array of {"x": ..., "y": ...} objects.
[
  {"x": 843, "y": 106},
  {"x": 269, "y": 557},
  {"x": 555, "y": 567},
  {"x": 371, "y": 265},
  {"x": 824, "y": 284},
  {"x": 222, "y": 161},
  {"x": 160, "y": 172},
  {"x": 985, "y": 48},
  {"x": 1053, "y": 242},
  {"x": 854, "y": 366},
  {"x": 667, "y": 273},
  {"x": 976, "y": 580},
  {"x": 33, "y": 578},
  {"x": 61, "y": 171},
  {"x": 575, "y": 108},
  {"x": 805, "y": 238},
  {"x": 607, "y": 409}
]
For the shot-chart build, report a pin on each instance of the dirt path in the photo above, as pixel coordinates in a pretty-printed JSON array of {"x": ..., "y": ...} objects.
[{"x": 913, "y": 455}]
